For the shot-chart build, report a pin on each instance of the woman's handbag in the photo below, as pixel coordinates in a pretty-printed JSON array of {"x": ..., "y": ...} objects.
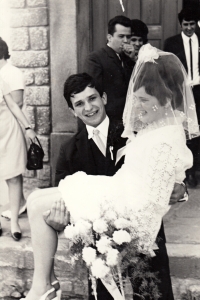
[{"x": 35, "y": 156}]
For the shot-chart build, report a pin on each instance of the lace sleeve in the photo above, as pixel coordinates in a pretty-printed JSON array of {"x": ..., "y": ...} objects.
[{"x": 159, "y": 182}]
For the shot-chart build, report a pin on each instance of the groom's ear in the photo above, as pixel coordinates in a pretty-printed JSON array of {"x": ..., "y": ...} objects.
[
  {"x": 104, "y": 98},
  {"x": 73, "y": 112}
]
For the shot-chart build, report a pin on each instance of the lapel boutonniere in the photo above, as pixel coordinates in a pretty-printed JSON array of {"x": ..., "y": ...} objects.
[{"x": 111, "y": 152}]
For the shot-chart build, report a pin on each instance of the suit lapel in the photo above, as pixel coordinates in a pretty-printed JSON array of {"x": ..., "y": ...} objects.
[
  {"x": 181, "y": 53},
  {"x": 84, "y": 150},
  {"x": 113, "y": 56},
  {"x": 198, "y": 50}
]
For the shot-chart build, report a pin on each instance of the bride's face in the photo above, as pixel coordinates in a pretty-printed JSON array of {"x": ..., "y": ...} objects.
[{"x": 148, "y": 107}]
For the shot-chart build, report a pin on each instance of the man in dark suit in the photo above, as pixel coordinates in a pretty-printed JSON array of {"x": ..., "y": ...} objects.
[
  {"x": 186, "y": 47},
  {"x": 111, "y": 68},
  {"x": 82, "y": 152}
]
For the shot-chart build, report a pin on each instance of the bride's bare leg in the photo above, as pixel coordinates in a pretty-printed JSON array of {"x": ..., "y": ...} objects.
[{"x": 44, "y": 241}]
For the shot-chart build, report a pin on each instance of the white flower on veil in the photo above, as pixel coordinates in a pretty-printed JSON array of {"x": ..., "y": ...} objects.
[{"x": 148, "y": 53}]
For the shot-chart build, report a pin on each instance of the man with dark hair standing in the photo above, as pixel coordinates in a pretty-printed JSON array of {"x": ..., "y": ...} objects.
[
  {"x": 93, "y": 150},
  {"x": 186, "y": 47},
  {"x": 111, "y": 68}
]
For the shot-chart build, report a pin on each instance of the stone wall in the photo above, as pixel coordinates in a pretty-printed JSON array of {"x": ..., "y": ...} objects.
[{"x": 30, "y": 52}]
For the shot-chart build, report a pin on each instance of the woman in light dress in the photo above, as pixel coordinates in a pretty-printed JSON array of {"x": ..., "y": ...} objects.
[
  {"x": 13, "y": 153},
  {"x": 160, "y": 109},
  {"x": 14, "y": 78}
]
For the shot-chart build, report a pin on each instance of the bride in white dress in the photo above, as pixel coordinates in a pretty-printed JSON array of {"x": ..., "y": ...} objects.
[{"x": 160, "y": 109}]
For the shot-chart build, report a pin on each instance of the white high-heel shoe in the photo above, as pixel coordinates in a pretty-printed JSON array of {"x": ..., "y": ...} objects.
[
  {"x": 56, "y": 286},
  {"x": 44, "y": 297}
]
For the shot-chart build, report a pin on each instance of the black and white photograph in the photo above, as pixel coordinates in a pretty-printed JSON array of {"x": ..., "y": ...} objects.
[{"x": 99, "y": 149}]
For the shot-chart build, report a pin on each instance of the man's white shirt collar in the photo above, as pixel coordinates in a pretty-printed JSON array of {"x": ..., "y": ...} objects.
[
  {"x": 186, "y": 38},
  {"x": 103, "y": 128}
]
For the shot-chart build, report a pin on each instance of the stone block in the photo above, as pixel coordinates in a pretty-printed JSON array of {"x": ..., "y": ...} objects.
[
  {"x": 30, "y": 59},
  {"x": 30, "y": 184},
  {"x": 80, "y": 288},
  {"x": 29, "y": 173},
  {"x": 17, "y": 3},
  {"x": 37, "y": 95},
  {"x": 39, "y": 38},
  {"x": 33, "y": 3},
  {"x": 44, "y": 140},
  {"x": 44, "y": 174},
  {"x": 41, "y": 76},
  {"x": 43, "y": 120},
  {"x": 28, "y": 17},
  {"x": 30, "y": 112},
  {"x": 28, "y": 76},
  {"x": 44, "y": 183},
  {"x": 19, "y": 39},
  {"x": 65, "y": 285}
]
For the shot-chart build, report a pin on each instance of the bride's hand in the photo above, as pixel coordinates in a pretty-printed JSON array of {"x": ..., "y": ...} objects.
[{"x": 30, "y": 134}]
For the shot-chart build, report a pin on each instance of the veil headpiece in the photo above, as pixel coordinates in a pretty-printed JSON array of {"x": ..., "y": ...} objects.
[{"x": 163, "y": 76}]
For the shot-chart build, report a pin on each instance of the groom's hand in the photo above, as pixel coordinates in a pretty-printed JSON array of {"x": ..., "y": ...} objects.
[
  {"x": 58, "y": 217},
  {"x": 177, "y": 193}
]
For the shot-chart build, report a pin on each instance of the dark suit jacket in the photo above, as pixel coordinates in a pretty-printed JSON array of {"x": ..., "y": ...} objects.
[
  {"x": 175, "y": 45},
  {"x": 76, "y": 154},
  {"x": 113, "y": 79}
]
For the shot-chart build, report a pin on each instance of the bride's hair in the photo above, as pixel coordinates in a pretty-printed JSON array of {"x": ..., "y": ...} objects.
[{"x": 162, "y": 80}]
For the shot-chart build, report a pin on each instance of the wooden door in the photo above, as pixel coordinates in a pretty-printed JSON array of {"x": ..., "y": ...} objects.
[{"x": 93, "y": 16}]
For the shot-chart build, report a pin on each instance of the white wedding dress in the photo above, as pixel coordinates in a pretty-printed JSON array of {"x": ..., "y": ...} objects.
[{"x": 155, "y": 160}]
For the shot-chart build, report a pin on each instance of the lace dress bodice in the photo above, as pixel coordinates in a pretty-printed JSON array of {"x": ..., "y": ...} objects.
[{"x": 154, "y": 161}]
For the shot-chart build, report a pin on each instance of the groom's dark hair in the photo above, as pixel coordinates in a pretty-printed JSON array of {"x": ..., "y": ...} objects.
[{"x": 76, "y": 84}]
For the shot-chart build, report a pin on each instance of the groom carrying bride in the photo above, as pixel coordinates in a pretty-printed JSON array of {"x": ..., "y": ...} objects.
[{"x": 84, "y": 153}]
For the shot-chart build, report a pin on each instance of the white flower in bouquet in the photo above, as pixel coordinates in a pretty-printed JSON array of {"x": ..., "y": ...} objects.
[
  {"x": 70, "y": 232},
  {"x": 100, "y": 226},
  {"x": 89, "y": 255},
  {"x": 99, "y": 269},
  {"x": 110, "y": 215},
  {"x": 122, "y": 223},
  {"x": 112, "y": 257},
  {"x": 104, "y": 244},
  {"x": 83, "y": 227},
  {"x": 121, "y": 236}
]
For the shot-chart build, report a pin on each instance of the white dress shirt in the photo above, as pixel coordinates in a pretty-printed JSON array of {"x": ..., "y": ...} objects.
[
  {"x": 195, "y": 56},
  {"x": 103, "y": 132}
]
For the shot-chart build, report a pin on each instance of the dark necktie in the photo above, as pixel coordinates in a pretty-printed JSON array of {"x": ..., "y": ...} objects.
[
  {"x": 191, "y": 62},
  {"x": 121, "y": 60}
]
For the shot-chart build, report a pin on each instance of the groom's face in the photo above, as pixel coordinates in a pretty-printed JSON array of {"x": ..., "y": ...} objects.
[{"x": 89, "y": 106}]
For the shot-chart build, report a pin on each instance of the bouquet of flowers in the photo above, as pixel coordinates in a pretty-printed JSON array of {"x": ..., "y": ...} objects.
[{"x": 111, "y": 245}]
